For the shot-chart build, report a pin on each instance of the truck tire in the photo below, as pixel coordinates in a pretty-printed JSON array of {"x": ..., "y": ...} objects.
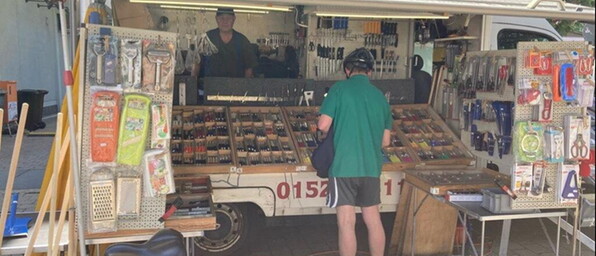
[{"x": 236, "y": 222}]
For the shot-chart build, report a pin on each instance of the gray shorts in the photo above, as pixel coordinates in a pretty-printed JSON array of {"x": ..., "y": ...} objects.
[{"x": 360, "y": 191}]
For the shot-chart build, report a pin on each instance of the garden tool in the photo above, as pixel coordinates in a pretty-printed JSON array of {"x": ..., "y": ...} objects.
[
  {"x": 16, "y": 226},
  {"x": 159, "y": 57},
  {"x": 13, "y": 168}
]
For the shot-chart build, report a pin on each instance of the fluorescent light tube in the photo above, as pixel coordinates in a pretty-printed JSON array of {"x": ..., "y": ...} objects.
[
  {"x": 209, "y": 9},
  {"x": 215, "y": 5},
  {"x": 382, "y": 16}
]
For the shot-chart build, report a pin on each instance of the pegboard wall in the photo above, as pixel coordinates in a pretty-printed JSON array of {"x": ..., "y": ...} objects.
[
  {"x": 525, "y": 113},
  {"x": 482, "y": 157},
  {"x": 151, "y": 207}
]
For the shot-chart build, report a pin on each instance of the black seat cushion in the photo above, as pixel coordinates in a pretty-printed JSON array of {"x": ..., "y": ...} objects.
[{"x": 166, "y": 242}]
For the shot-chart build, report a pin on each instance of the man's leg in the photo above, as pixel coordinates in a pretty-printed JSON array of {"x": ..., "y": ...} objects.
[
  {"x": 376, "y": 234},
  {"x": 346, "y": 222}
]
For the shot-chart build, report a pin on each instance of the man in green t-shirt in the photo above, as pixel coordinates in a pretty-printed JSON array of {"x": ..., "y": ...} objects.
[
  {"x": 361, "y": 119},
  {"x": 235, "y": 57}
]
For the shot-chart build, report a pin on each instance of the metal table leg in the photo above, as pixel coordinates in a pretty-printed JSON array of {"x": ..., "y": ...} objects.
[
  {"x": 558, "y": 235},
  {"x": 465, "y": 227},
  {"x": 482, "y": 240},
  {"x": 505, "y": 231}
]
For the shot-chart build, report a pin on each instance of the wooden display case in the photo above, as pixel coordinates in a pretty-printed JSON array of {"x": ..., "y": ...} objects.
[
  {"x": 428, "y": 137},
  {"x": 201, "y": 138},
  {"x": 261, "y": 138},
  {"x": 439, "y": 181},
  {"x": 302, "y": 122}
]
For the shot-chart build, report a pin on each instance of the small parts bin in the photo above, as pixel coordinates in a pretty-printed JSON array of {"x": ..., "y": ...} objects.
[
  {"x": 497, "y": 201},
  {"x": 35, "y": 100}
]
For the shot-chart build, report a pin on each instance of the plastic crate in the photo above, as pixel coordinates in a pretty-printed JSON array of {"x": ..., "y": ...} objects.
[{"x": 496, "y": 200}]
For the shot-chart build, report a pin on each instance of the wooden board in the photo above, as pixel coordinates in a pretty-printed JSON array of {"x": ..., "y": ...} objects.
[{"x": 435, "y": 226}]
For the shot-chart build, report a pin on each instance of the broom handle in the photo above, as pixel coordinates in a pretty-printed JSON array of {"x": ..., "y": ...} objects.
[
  {"x": 54, "y": 183},
  {"x": 63, "y": 211},
  {"x": 13, "y": 169},
  {"x": 74, "y": 156},
  {"x": 1, "y": 127},
  {"x": 46, "y": 200}
]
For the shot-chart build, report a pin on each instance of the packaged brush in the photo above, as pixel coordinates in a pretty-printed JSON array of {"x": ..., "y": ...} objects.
[
  {"x": 160, "y": 119},
  {"x": 131, "y": 63},
  {"x": 103, "y": 60},
  {"x": 134, "y": 125},
  {"x": 103, "y": 125},
  {"x": 102, "y": 200},
  {"x": 158, "y": 66},
  {"x": 158, "y": 176}
]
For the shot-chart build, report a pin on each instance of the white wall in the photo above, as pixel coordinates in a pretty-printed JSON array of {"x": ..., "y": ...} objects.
[{"x": 28, "y": 48}]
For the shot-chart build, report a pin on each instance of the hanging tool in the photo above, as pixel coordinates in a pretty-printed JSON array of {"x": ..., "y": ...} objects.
[
  {"x": 570, "y": 190},
  {"x": 158, "y": 57},
  {"x": 579, "y": 149},
  {"x": 14, "y": 161},
  {"x": 99, "y": 49},
  {"x": 130, "y": 51}
]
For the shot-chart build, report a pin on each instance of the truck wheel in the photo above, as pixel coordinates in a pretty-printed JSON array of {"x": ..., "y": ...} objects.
[{"x": 235, "y": 224}]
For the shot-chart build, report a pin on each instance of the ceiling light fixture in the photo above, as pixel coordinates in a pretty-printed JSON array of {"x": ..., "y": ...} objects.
[
  {"x": 210, "y": 9},
  {"x": 382, "y": 16},
  {"x": 215, "y": 5}
]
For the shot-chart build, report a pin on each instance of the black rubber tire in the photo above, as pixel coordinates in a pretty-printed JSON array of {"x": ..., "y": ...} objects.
[{"x": 236, "y": 227}]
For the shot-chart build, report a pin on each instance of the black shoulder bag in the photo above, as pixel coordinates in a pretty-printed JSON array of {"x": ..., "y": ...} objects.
[{"x": 322, "y": 157}]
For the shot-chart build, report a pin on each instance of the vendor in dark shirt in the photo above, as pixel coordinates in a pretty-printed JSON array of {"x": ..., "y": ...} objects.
[{"x": 234, "y": 57}]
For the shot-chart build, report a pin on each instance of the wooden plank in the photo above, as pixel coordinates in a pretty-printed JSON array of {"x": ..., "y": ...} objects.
[
  {"x": 191, "y": 224},
  {"x": 398, "y": 233},
  {"x": 435, "y": 226}
]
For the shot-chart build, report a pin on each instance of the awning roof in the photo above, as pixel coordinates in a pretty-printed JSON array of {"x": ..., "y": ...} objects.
[{"x": 543, "y": 8}]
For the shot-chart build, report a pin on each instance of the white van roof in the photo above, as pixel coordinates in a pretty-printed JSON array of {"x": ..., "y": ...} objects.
[{"x": 555, "y": 9}]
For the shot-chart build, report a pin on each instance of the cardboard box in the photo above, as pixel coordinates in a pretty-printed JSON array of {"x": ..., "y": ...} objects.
[{"x": 10, "y": 105}]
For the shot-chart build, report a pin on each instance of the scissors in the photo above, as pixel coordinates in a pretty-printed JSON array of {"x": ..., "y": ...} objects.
[{"x": 580, "y": 147}]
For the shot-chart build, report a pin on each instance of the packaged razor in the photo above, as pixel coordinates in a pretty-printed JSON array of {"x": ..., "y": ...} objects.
[
  {"x": 158, "y": 176},
  {"x": 553, "y": 144},
  {"x": 160, "y": 119},
  {"x": 522, "y": 179},
  {"x": 538, "y": 180},
  {"x": 105, "y": 115},
  {"x": 158, "y": 66},
  {"x": 103, "y": 57},
  {"x": 131, "y": 66},
  {"x": 102, "y": 203},
  {"x": 134, "y": 125}
]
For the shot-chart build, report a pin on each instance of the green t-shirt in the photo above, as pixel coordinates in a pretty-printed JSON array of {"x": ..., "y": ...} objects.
[
  {"x": 360, "y": 115},
  {"x": 232, "y": 58}
]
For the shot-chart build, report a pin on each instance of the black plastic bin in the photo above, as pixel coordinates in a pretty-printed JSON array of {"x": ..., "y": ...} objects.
[{"x": 35, "y": 100}]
